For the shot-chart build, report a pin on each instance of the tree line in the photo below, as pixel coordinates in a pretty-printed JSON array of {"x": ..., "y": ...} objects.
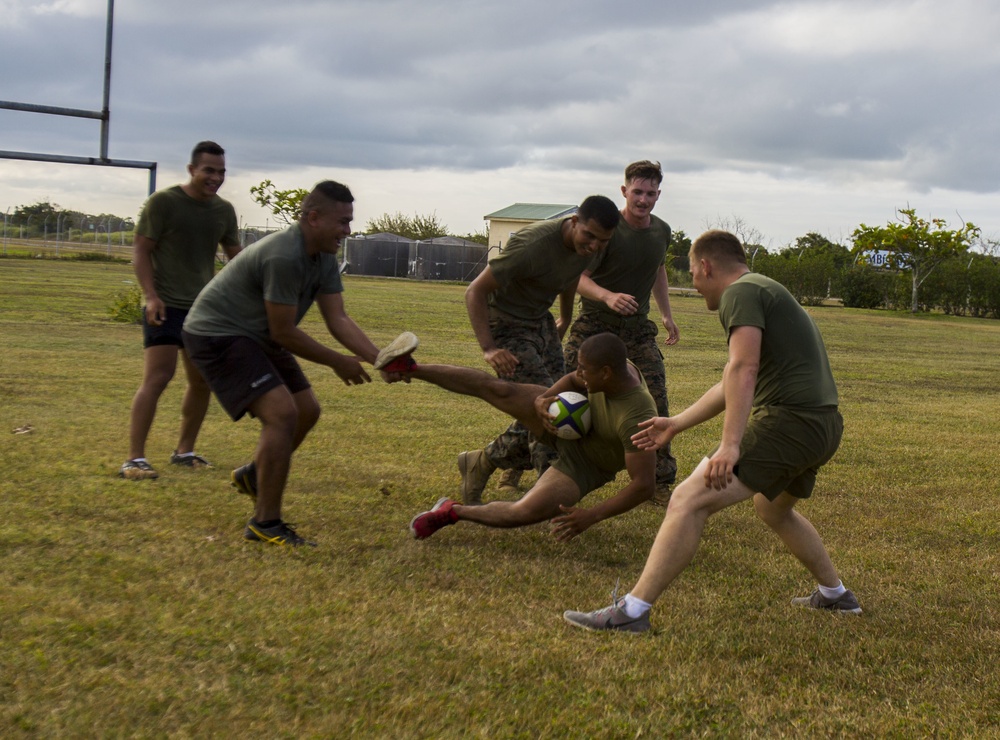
[
  {"x": 46, "y": 220},
  {"x": 284, "y": 205},
  {"x": 911, "y": 263}
]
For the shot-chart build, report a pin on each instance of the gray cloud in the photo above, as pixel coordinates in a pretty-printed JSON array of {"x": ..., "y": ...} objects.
[{"x": 838, "y": 92}]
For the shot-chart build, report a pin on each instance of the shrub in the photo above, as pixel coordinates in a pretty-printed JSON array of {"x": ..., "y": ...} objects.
[{"x": 126, "y": 306}]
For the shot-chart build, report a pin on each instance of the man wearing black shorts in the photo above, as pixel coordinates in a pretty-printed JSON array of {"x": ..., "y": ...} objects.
[
  {"x": 176, "y": 239},
  {"x": 781, "y": 425},
  {"x": 242, "y": 333}
]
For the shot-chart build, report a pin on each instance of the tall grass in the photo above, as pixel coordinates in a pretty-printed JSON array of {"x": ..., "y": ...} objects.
[{"x": 137, "y": 609}]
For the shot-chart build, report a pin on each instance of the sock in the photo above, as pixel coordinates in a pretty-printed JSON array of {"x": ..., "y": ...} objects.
[
  {"x": 635, "y": 607},
  {"x": 268, "y": 524},
  {"x": 138, "y": 459},
  {"x": 834, "y": 592},
  {"x": 184, "y": 454}
]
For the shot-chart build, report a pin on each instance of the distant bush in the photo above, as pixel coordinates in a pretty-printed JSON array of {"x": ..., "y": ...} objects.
[
  {"x": 126, "y": 306},
  {"x": 863, "y": 286}
]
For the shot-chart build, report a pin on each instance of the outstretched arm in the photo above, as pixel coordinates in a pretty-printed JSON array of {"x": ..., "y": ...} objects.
[
  {"x": 342, "y": 327},
  {"x": 641, "y": 467},
  {"x": 657, "y": 432},
  {"x": 283, "y": 330}
]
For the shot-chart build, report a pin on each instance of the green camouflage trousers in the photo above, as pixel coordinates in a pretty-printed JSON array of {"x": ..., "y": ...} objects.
[
  {"x": 537, "y": 347},
  {"x": 639, "y": 335}
]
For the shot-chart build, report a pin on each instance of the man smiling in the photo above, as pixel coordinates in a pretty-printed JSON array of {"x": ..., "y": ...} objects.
[
  {"x": 178, "y": 233},
  {"x": 243, "y": 335}
]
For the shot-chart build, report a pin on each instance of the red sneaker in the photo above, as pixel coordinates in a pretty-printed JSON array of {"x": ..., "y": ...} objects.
[
  {"x": 442, "y": 514},
  {"x": 399, "y": 348},
  {"x": 401, "y": 365}
]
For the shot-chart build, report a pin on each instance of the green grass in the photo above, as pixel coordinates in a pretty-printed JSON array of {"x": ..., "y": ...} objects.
[{"x": 135, "y": 609}]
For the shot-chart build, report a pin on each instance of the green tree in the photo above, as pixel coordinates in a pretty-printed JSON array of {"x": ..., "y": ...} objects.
[
  {"x": 415, "y": 227},
  {"x": 915, "y": 244},
  {"x": 283, "y": 204},
  {"x": 479, "y": 237},
  {"x": 677, "y": 251}
]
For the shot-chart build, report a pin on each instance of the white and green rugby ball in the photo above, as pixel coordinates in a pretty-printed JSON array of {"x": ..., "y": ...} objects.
[{"x": 572, "y": 415}]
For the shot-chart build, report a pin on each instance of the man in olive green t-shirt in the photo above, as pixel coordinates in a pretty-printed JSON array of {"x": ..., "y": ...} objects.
[
  {"x": 509, "y": 307},
  {"x": 615, "y": 296},
  {"x": 179, "y": 231},
  {"x": 781, "y": 425},
  {"x": 619, "y": 403}
]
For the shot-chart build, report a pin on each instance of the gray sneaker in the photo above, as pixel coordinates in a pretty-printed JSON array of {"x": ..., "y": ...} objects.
[
  {"x": 476, "y": 469},
  {"x": 846, "y": 603},
  {"x": 509, "y": 481},
  {"x": 612, "y": 618},
  {"x": 398, "y": 348}
]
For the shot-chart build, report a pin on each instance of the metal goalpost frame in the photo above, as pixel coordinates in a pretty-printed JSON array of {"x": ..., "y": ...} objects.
[{"x": 103, "y": 115}]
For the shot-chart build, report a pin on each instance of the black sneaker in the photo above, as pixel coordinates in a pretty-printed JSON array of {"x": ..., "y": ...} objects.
[
  {"x": 846, "y": 603},
  {"x": 244, "y": 480},
  {"x": 137, "y": 470},
  {"x": 189, "y": 461},
  {"x": 279, "y": 534}
]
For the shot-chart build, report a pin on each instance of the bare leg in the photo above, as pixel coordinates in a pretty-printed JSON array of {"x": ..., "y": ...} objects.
[
  {"x": 278, "y": 417},
  {"x": 539, "y": 504},
  {"x": 159, "y": 364},
  {"x": 514, "y": 399},
  {"x": 677, "y": 541},
  {"x": 193, "y": 407},
  {"x": 309, "y": 412},
  {"x": 799, "y": 536}
]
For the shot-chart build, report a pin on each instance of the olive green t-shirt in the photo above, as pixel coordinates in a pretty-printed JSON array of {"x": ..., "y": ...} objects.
[
  {"x": 533, "y": 269},
  {"x": 275, "y": 269},
  {"x": 630, "y": 263},
  {"x": 187, "y": 233},
  {"x": 794, "y": 367},
  {"x": 599, "y": 455}
]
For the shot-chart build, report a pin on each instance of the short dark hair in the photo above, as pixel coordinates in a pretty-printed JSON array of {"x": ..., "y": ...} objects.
[
  {"x": 206, "y": 147},
  {"x": 720, "y": 246},
  {"x": 606, "y": 350},
  {"x": 327, "y": 191},
  {"x": 644, "y": 170},
  {"x": 601, "y": 209}
]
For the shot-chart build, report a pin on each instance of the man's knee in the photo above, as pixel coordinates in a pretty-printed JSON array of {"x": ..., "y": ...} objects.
[{"x": 773, "y": 513}]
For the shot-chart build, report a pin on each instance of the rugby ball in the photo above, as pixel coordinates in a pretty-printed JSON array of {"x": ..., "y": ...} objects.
[{"x": 571, "y": 412}]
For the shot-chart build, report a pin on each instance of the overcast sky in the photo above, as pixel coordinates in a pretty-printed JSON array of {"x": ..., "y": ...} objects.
[{"x": 791, "y": 117}]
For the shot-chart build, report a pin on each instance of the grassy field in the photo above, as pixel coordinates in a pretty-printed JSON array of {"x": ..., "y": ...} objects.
[{"x": 136, "y": 609}]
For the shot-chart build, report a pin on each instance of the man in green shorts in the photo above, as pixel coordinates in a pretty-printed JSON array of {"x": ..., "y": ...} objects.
[
  {"x": 176, "y": 239},
  {"x": 619, "y": 401},
  {"x": 242, "y": 333},
  {"x": 509, "y": 306},
  {"x": 781, "y": 425},
  {"x": 615, "y": 292}
]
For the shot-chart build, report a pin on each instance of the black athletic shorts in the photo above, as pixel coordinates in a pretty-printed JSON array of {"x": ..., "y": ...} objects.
[
  {"x": 239, "y": 370},
  {"x": 169, "y": 332}
]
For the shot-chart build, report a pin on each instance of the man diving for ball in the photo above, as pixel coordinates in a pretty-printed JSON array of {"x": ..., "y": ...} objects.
[{"x": 619, "y": 402}]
